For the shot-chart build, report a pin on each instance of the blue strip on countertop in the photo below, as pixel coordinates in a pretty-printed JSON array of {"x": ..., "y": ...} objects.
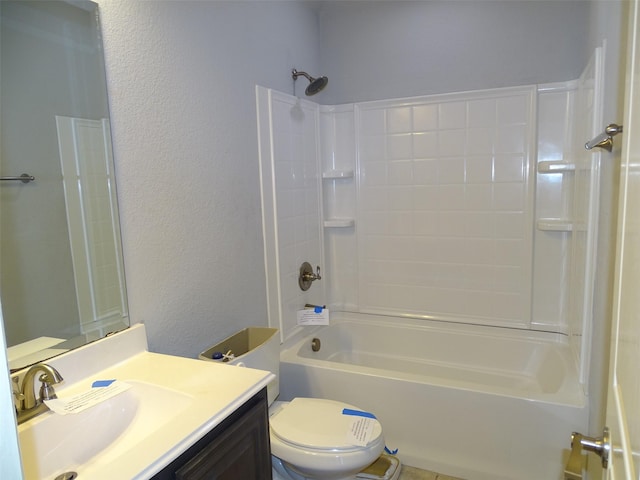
[{"x": 101, "y": 383}]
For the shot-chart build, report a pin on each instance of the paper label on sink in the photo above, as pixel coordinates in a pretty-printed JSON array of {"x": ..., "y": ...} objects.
[{"x": 88, "y": 399}]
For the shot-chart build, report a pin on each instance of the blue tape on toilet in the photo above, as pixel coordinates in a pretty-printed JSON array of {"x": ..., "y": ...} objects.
[
  {"x": 357, "y": 413},
  {"x": 390, "y": 452},
  {"x": 317, "y": 310}
]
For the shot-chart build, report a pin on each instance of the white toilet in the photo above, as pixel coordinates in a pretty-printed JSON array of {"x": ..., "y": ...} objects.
[{"x": 311, "y": 438}]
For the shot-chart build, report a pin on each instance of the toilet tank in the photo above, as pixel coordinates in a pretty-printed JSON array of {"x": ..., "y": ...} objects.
[{"x": 252, "y": 347}]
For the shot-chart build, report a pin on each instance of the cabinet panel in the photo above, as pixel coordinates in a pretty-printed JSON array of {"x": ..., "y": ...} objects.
[{"x": 238, "y": 448}]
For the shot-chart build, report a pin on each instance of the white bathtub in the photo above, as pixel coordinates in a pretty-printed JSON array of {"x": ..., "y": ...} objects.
[{"x": 466, "y": 400}]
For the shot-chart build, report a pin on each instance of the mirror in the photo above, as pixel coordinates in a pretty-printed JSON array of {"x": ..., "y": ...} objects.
[{"x": 61, "y": 269}]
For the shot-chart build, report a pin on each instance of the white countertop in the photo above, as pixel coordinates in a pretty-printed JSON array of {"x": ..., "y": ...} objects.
[{"x": 215, "y": 390}]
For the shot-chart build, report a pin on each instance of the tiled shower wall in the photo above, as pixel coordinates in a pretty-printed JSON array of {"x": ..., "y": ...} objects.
[
  {"x": 445, "y": 202},
  {"x": 445, "y": 206},
  {"x": 433, "y": 206}
]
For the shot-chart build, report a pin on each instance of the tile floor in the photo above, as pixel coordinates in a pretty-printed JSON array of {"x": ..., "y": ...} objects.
[{"x": 411, "y": 473}]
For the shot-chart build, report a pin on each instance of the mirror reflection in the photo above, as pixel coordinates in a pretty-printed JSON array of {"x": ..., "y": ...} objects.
[{"x": 61, "y": 269}]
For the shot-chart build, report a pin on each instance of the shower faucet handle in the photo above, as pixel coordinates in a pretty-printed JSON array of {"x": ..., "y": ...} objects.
[
  {"x": 307, "y": 277},
  {"x": 312, "y": 276}
]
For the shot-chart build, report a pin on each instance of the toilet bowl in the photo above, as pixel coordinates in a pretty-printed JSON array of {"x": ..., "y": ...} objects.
[{"x": 312, "y": 438}]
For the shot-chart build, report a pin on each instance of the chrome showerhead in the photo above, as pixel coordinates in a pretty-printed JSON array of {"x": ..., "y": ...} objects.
[{"x": 315, "y": 84}]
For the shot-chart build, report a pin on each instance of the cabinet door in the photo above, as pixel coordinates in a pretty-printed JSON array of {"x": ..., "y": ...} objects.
[
  {"x": 237, "y": 453},
  {"x": 237, "y": 449}
]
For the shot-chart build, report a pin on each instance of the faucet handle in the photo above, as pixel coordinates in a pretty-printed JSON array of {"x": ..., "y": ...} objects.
[
  {"x": 47, "y": 392},
  {"x": 18, "y": 396},
  {"x": 51, "y": 375},
  {"x": 15, "y": 386},
  {"x": 307, "y": 276}
]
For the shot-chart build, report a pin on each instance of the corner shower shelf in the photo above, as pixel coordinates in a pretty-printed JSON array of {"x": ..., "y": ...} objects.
[
  {"x": 339, "y": 223},
  {"x": 555, "y": 224},
  {"x": 337, "y": 174},
  {"x": 555, "y": 166}
]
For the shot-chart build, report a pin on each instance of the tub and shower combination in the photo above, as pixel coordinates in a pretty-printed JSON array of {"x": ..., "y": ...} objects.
[
  {"x": 466, "y": 400},
  {"x": 460, "y": 297}
]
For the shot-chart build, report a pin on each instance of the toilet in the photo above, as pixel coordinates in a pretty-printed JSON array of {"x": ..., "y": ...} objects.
[{"x": 311, "y": 438}]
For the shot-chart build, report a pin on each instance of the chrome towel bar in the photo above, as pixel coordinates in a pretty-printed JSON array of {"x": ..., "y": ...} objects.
[
  {"x": 24, "y": 178},
  {"x": 605, "y": 139}
]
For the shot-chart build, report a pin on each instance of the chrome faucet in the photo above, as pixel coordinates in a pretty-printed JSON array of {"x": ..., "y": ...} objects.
[{"x": 28, "y": 406}]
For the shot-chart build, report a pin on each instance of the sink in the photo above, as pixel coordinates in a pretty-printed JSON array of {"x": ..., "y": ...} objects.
[
  {"x": 52, "y": 444},
  {"x": 172, "y": 403}
]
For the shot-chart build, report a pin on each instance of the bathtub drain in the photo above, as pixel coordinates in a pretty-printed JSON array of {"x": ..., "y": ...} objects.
[{"x": 315, "y": 344}]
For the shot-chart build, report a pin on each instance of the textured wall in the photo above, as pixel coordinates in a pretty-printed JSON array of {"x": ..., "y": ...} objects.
[{"x": 182, "y": 79}]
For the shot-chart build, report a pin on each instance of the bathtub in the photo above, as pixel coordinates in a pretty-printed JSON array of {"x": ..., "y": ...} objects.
[{"x": 477, "y": 402}]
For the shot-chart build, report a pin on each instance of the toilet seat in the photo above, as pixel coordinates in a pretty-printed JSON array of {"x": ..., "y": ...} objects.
[
  {"x": 310, "y": 436},
  {"x": 318, "y": 424}
]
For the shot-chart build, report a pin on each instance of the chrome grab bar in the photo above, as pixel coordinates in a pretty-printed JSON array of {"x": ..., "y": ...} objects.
[{"x": 24, "y": 178}]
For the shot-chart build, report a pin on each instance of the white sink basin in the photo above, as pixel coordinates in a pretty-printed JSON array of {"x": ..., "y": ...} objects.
[
  {"x": 52, "y": 444},
  {"x": 172, "y": 403}
]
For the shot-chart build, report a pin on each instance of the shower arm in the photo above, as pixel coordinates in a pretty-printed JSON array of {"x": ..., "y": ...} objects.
[{"x": 295, "y": 74}]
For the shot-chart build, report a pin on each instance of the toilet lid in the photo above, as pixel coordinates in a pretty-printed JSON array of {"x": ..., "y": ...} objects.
[{"x": 319, "y": 424}]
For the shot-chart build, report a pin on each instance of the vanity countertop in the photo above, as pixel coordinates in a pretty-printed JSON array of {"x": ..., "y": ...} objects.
[{"x": 211, "y": 392}]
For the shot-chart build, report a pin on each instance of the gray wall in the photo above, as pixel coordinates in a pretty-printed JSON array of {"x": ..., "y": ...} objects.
[
  {"x": 390, "y": 49},
  {"x": 182, "y": 79}
]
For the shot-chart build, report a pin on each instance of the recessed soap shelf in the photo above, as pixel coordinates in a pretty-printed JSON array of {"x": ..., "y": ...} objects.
[
  {"x": 560, "y": 225},
  {"x": 339, "y": 223},
  {"x": 555, "y": 166},
  {"x": 337, "y": 174},
  {"x": 555, "y": 224}
]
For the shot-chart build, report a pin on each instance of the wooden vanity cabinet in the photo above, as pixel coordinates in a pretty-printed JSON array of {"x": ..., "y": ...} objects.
[{"x": 237, "y": 449}]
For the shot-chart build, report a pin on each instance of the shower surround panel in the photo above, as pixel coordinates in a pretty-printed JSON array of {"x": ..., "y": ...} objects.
[
  {"x": 445, "y": 206},
  {"x": 292, "y": 204},
  {"x": 423, "y": 207}
]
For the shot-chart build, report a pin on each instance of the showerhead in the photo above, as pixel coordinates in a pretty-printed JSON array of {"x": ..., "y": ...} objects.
[{"x": 315, "y": 84}]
